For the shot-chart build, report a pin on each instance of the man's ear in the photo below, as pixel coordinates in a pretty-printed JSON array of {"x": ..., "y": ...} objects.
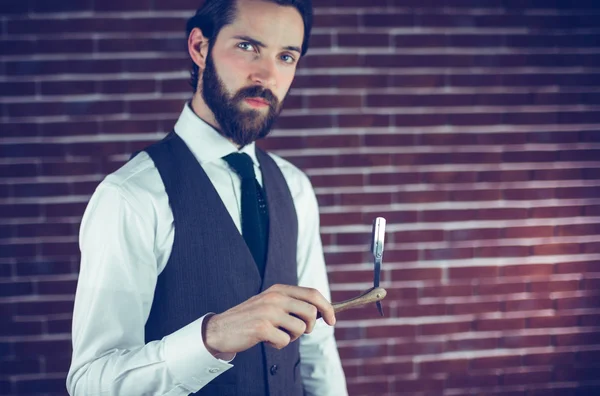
[{"x": 198, "y": 47}]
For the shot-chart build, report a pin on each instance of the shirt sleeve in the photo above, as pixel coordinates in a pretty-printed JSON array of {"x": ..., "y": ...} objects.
[
  {"x": 114, "y": 295},
  {"x": 321, "y": 368}
]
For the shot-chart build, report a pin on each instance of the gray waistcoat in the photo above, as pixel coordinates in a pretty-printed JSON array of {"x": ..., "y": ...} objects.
[{"x": 211, "y": 269}]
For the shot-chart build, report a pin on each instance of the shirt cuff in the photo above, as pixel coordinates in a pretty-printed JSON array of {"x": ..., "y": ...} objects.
[{"x": 188, "y": 360}]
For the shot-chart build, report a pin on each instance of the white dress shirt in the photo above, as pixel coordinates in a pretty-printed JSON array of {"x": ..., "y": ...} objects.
[{"x": 126, "y": 239}]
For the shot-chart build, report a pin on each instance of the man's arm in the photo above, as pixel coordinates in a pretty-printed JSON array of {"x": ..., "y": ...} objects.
[
  {"x": 114, "y": 295},
  {"x": 321, "y": 368}
]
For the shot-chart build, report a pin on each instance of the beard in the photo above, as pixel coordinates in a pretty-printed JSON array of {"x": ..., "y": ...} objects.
[{"x": 242, "y": 126}]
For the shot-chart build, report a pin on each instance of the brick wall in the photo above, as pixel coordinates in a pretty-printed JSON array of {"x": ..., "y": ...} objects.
[{"x": 472, "y": 126}]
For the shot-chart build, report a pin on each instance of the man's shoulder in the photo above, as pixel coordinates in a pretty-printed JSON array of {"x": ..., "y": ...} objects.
[{"x": 137, "y": 176}]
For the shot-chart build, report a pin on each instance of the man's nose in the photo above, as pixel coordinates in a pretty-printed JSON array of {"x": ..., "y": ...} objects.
[{"x": 265, "y": 73}]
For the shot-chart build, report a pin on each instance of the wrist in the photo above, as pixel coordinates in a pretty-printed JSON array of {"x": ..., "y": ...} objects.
[{"x": 208, "y": 334}]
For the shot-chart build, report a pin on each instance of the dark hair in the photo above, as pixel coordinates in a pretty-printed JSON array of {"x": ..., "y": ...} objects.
[{"x": 213, "y": 15}]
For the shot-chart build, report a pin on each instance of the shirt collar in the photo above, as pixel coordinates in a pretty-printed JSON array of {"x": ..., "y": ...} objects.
[{"x": 204, "y": 141}]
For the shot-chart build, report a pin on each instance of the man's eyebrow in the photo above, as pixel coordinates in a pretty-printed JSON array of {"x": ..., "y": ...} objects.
[{"x": 262, "y": 45}]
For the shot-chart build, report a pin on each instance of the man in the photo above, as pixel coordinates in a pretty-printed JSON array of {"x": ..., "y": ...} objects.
[{"x": 202, "y": 267}]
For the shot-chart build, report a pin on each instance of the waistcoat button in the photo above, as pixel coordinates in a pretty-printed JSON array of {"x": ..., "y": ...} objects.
[{"x": 274, "y": 369}]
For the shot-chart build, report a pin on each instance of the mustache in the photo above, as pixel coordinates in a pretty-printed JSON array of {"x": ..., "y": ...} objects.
[{"x": 257, "y": 92}]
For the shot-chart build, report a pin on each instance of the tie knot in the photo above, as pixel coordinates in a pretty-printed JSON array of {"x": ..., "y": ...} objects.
[{"x": 242, "y": 164}]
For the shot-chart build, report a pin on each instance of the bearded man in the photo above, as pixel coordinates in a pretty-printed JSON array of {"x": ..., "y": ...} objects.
[{"x": 202, "y": 268}]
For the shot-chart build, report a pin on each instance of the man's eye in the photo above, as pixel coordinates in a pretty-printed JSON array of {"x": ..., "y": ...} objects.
[
  {"x": 287, "y": 58},
  {"x": 246, "y": 46}
]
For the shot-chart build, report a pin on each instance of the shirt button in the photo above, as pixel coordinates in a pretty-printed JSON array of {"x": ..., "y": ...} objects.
[
  {"x": 213, "y": 370},
  {"x": 274, "y": 369}
]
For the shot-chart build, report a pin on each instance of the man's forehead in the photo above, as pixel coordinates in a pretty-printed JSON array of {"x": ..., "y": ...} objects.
[{"x": 268, "y": 22}]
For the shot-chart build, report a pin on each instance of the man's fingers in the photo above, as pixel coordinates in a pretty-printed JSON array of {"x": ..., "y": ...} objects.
[
  {"x": 304, "y": 311},
  {"x": 292, "y": 325},
  {"x": 311, "y": 296},
  {"x": 277, "y": 338}
]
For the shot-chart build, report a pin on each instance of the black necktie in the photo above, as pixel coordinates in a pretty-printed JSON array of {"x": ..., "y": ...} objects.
[{"x": 254, "y": 208}]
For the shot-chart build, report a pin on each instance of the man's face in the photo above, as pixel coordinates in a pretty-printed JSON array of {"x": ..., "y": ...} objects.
[{"x": 250, "y": 67}]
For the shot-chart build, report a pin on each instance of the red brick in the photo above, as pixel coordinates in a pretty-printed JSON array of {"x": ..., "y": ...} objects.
[
  {"x": 401, "y": 255},
  {"x": 27, "y": 386},
  {"x": 450, "y": 177},
  {"x": 590, "y": 247},
  {"x": 587, "y": 338},
  {"x": 447, "y": 139},
  {"x": 417, "y": 348},
  {"x": 327, "y": 141},
  {"x": 577, "y": 192},
  {"x": 350, "y": 276},
  {"x": 474, "y": 308},
  {"x": 418, "y": 385},
  {"x": 557, "y": 249},
  {"x": 389, "y": 140},
  {"x": 387, "y": 368},
  {"x": 495, "y": 362},
  {"x": 401, "y": 331},
  {"x": 551, "y": 321},
  {"x": 447, "y": 291},
  {"x": 448, "y": 254},
  {"x": 444, "y": 328},
  {"x": 500, "y": 288},
  {"x": 29, "y": 328},
  {"x": 529, "y": 232},
  {"x": 527, "y": 194},
  {"x": 554, "y": 286},
  {"x": 472, "y": 344},
  {"x": 548, "y": 359},
  {"x": 527, "y": 377},
  {"x": 15, "y": 366},
  {"x": 527, "y": 270},
  {"x": 421, "y": 310},
  {"x": 421, "y": 196},
  {"x": 473, "y": 234},
  {"x": 412, "y": 274},
  {"x": 344, "y": 258},
  {"x": 65, "y": 287},
  {"x": 355, "y": 160},
  {"x": 334, "y": 101},
  {"x": 499, "y": 324},
  {"x": 579, "y": 229},
  {"x": 502, "y": 251},
  {"x": 556, "y": 211},
  {"x": 365, "y": 120},
  {"x": 476, "y": 195},
  {"x": 48, "y": 267},
  {"x": 395, "y": 178},
  {"x": 578, "y": 302},
  {"x": 365, "y": 387},
  {"x": 473, "y": 272},
  {"x": 16, "y": 288},
  {"x": 402, "y": 294},
  {"x": 36, "y": 348},
  {"x": 472, "y": 381},
  {"x": 59, "y": 326},
  {"x": 449, "y": 215},
  {"x": 504, "y": 176},
  {"x": 363, "y": 351},
  {"x": 502, "y": 213},
  {"x": 444, "y": 366},
  {"x": 529, "y": 304},
  {"x": 331, "y": 219},
  {"x": 578, "y": 267},
  {"x": 557, "y": 174},
  {"x": 526, "y": 341}
]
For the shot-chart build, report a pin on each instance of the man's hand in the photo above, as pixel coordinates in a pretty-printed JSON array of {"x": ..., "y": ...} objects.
[{"x": 277, "y": 316}]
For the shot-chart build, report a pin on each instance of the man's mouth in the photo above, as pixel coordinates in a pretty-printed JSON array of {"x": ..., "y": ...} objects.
[{"x": 256, "y": 102}]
